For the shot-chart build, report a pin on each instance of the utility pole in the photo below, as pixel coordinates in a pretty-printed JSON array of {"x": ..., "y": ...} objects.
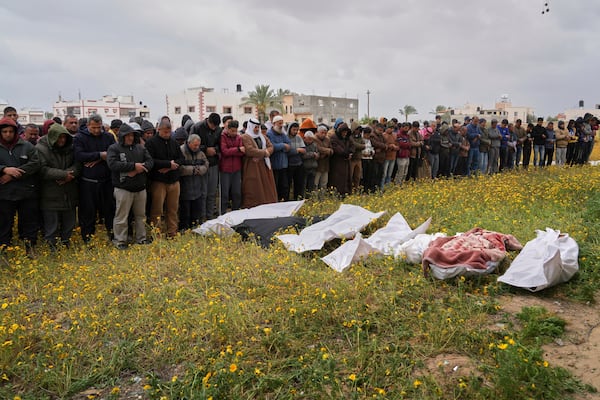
[{"x": 368, "y": 104}]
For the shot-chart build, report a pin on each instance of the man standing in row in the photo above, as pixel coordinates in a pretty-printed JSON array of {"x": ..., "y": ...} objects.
[
  {"x": 95, "y": 186},
  {"x": 129, "y": 163},
  {"x": 210, "y": 137}
]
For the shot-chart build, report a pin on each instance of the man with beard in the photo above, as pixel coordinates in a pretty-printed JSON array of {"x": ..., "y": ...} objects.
[{"x": 95, "y": 187}]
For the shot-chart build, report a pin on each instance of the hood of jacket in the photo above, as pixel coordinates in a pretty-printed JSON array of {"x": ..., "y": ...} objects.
[{"x": 55, "y": 131}]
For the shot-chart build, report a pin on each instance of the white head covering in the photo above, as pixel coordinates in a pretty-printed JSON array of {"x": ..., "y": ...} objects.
[{"x": 250, "y": 131}]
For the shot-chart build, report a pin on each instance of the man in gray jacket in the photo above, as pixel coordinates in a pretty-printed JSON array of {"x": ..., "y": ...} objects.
[
  {"x": 494, "y": 154},
  {"x": 129, "y": 163}
]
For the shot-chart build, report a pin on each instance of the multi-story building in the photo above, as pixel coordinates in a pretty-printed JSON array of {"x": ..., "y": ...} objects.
[
  {"x": 501, "y": 110},
  {"x": 321, "y": 109},
  {"x": 109, "y": 108},
  {"x": 199, "y": 102},
  {"x": 575, "y": 113},
  {"x": 31, "y": 116}
]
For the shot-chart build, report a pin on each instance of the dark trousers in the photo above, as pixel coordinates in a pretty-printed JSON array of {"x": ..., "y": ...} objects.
[
  {"x": 296, "y": 181},
  {"x": 27, "y": 210},
  {"x": 190, "y": 213},
  {"x": 59, "y": 224},
  {"x": 212, "y": 183},
  {"x": 94, "y": 198},
  {"x": 231, "y": 189},
  {"x": 309, "y": 178},
  {"x": 444, "y": 162},
  {"x": 282, "y": 184},
  {"x": 548, "y": 156},
  {"x": 526, "y": 156},
  {"x": 413, "y": 167}
]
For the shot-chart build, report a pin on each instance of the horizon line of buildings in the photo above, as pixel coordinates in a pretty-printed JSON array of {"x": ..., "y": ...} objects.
[{"x": 199, "y": 102}]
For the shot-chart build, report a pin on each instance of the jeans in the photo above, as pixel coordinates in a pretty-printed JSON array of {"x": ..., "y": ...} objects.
[
  {"x": 538, "y": 155},
  {"x": 473, "y": 161},
  {"x": 386, "y": 176},
  {"x": 402, "y": 169},
  {"x": 483, "y": 162},
  {"x": 434, "y": 163}
]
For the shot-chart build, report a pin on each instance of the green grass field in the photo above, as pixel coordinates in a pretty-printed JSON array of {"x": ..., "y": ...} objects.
[{"x": 201, "y": 318}]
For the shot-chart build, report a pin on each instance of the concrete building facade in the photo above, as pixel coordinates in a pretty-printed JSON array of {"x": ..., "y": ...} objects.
[
  {"x": 199, "y": 102},
  {"x": 109, "y": 108}
]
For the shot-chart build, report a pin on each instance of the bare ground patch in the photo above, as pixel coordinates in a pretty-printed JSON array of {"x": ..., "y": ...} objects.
[{"x": 579, "y": 349}]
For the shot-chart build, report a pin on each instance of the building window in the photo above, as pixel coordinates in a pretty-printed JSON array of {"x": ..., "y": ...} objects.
[
  {"x": 332, "y": 120},
  {"x": 516, "y": 113},
  {"x": 191, "y": 109},
  {"x": 226, "y": 110},
  {"x": 286, "y": 109},
  {"x": 177, "y": 110},
  {"x": 320, "y": 102},
  {"x": 247, "y": 110},
  {"x": 211, "y": 109},
  {"x": 320, "y": 120},
  {"x": 114, "y": 110},
  {"x": 351, "y": 105},
  {"x": 106, "y": 111}
]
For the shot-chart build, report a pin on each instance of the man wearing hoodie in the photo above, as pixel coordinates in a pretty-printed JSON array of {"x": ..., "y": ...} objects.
[
  {"x": 59, "y": 190},
  {"x": 19, "y": 165},
  {"x": 95, "y": 186},
  {"x": 210, "y": 139},
  {"x": 129, "y": 163}
]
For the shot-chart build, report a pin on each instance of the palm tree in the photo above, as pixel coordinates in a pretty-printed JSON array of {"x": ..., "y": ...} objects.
[
  {"x": 263, "y": 97},
  {"x": 407, "y": 110}
]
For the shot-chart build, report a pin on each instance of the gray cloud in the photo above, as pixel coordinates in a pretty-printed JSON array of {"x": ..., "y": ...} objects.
[{"x": 422, "y": 53}]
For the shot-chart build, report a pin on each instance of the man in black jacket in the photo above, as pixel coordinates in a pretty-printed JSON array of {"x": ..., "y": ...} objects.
[
  {"x": 129, "y": 163},
  {"x": 164, "y": 177},
  {"x": 210, "y": 137},
  {"x": 19, "y": 166},
  {"x": 95, "y": 186}
]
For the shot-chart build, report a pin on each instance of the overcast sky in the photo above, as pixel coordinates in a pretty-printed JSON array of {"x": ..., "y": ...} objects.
[{"x": 418, "y": 52}]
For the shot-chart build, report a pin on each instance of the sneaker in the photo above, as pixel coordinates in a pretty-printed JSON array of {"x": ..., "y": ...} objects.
[{"x": 122, "y": 246}]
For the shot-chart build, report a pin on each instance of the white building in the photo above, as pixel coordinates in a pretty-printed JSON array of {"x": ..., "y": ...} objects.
[
  {"x": 501, "y": 110},
  {"x": 109, "y": 108},
  {"x": 31, "y": 116},
  {"x": 575, "y": 113},
  {"x": 199, "y": 102}
]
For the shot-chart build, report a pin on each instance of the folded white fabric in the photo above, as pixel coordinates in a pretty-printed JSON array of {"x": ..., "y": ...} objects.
[
  {"x": 384, "y": 241},
  {"x": 346, "y": 222}
]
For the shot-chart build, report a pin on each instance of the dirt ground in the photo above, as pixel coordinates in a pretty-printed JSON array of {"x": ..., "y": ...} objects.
[{"x": 579, "y": 348}]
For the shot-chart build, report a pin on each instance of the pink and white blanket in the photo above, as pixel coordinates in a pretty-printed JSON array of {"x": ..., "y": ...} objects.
[{"x": 472, "y": 252}]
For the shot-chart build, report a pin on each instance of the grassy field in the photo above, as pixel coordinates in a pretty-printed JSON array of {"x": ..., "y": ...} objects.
[{"x": 202, "y": 318}]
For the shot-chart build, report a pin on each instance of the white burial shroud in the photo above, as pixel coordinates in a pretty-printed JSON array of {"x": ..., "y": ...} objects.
[
  {"x": 223, "y": 224},
  {"x": 386, "y": 240},
  {"x": 346, "y": 222}
]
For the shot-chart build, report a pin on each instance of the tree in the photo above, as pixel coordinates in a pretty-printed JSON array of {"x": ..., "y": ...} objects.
[
  {"x": 443, "y": 112},
  {"x": 407, "y": 110},
  {"x": 263, "y": 97},
  {"x": 366, "y": 120}
]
